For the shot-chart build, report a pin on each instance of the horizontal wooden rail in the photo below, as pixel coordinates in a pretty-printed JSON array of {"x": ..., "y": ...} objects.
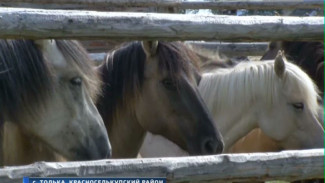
[
  {"x": 73, "y": 24},
  {"x": 220, "y": 4},
  {"x": 287, "y": 165},
  {"x": 228, "y": 49}
]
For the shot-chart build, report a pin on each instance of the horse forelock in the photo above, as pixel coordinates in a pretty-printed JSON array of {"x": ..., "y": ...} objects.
[
  {"x": 304, "y": 84},
  {"x": 25, "y": 79},
  {"x": 175, "y": 57},
  {"x": 243, "y": 83},
  {"x": 78, "y": 57}
]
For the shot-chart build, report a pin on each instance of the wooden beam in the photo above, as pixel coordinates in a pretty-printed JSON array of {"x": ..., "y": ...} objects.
[
  {"x": 220, "y": 4},
  {"x": 287, "y": 165},
  {"x": 229, "y": 49},
  {"x": 39, "y": 24}
]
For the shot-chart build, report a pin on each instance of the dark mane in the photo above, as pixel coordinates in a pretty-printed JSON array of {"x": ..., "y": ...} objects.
[
  {"x": 175, "y": 57},
  {"x": 308, "y": 55},
  {"x": 24, "y": 76},
  {"x": 123, "y": 72}
]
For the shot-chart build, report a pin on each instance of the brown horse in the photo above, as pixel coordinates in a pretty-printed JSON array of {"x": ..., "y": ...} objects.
[
  {"x": 47, "y": 89},
  {"x": 152, "y": 86}
]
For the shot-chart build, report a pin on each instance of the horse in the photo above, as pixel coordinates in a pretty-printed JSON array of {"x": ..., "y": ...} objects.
[
  {"x": 152, "y": 86},
  {"x": 275, "y": 96},
  {"x": 310, "y": 57},
  {"x": 47, "y": 94}
]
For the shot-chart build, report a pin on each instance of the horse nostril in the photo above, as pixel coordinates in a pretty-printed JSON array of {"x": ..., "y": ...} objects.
[{"x": 211, "y": 146}]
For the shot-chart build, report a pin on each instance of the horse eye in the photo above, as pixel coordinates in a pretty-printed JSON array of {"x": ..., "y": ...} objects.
[
  {"x": 299, "y": 106},
  {"x": 169, "y": 84},
  {"x": 76, "y": 81}
]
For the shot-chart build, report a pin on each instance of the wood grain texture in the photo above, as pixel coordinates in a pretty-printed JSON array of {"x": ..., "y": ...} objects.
[
  {"x": 214, "y": 48},
  {"x": 73, "y": 24},
  {"x": 287, "y": 165},
  {"x": 230, "y": 49},
  {"x": 220, "y": 4}
]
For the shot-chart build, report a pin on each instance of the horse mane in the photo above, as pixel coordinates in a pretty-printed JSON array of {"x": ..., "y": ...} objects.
[
  {"x": 76, "y": 54},
  {"x": 243, "y": 83},
  {"x": 123, "y": 72},
  {"x": 24, "y": 76},
  {"x": 26, "y": 79}
]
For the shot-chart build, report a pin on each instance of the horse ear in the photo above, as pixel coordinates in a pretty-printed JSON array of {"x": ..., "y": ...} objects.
[
  {"x": 279, "y": 64},
  {"x": 150, "y": 47},
  {"x": 51, "y": 52}
]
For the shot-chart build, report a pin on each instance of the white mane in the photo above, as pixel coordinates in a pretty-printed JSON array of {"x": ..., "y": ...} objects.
[{"x": 232, "y": 88}]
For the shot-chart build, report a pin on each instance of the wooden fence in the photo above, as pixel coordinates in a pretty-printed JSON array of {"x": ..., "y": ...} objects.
[
  {"x": 210, "y": 48},
  {"x": 180, "y": 4},
  {"x": 70, "y": 24},
  {"x": 287, "y": 165},
  {"x": 39, "y": 24}
]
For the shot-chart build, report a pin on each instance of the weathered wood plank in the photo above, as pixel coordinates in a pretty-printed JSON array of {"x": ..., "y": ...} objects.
[
  {"x": 220, "y": 4},
  {"x": 38, "y": 24},
  {"x": 288, "y": 165},
  {"x": 228, "y": 49}
]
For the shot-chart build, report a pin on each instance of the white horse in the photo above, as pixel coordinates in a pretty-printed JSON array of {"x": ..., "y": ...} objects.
[{"x": 275, "y": 96}]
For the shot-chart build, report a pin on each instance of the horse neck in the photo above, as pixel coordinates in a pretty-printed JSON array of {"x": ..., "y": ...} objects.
[
  {"x": 236, "y": 126},
  {"x": 124, "y": 131},
  {"x": 232, "y": 123},
  {"x": 20, "y": 149},
  {"x": 126, "y": 135}
]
